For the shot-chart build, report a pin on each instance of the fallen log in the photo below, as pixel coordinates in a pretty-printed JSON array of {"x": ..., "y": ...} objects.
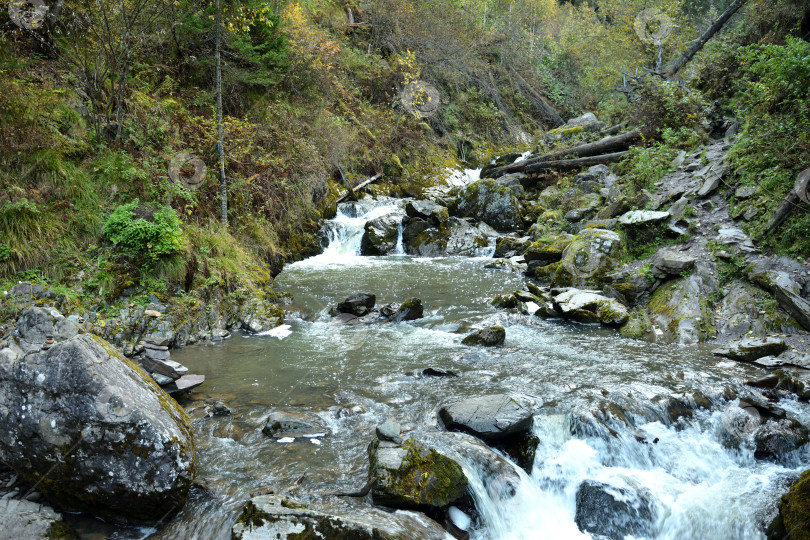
[
  {"x": 606, "y": 146},
  {"x": 570, "y": 164},
  {"x": 797, "y": 195},
  {"x": 362, "y": 185}
]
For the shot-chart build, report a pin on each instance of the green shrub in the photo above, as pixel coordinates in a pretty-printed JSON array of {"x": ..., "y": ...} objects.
[
  {"x": 665, "y": 104},
  {"x": 144, "y": 231}
]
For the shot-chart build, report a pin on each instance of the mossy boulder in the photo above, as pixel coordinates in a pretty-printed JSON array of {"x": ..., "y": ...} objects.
[
  {"x": 793, "y": 521},
  {"x": 494, "y": 203},
  {"x": 455, "y": 237},
  {"x": 381, "y": 234},
  {"x": 548, "y": 250},
  {"x": 590, "y": 308},
  {"x": 429, "y": 211},
  {"x": 259, "y": 315},
  {"x": 491, "y": 336},
  {"x": 682, "y": 311},
  {"x": 588, "y": 259},
  {"x": 638, "y": 325},
  {"x": 414, "y": 475},
  {"x": 89, "y": 428},
  {"x": 509, "y": 246},
  {"x": 274, "y": 517}
]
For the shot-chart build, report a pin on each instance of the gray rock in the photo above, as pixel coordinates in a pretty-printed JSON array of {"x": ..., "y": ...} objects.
[
  {"x": 731, "y": 236},
  {"x": 381, "y": 234},
  {"x": 161, "y": 379},
  {"x": 271, "y": 517},
  {"x": 26, "y": 520},
  {"x": 358, "y": 304},
  {"x": 257, "y": 315},
  {"x": 429, "y": 211},
  {"x": 588, "y": 259},
  {"x": 456, "y": 237},
  {"x": 184, "y": 384},
  {"x": 745, "y": 192},
  {"x": 389, "y": 431},
  {"x": 169, "y": 368},
  {"x": 682, "y": 311},
  {"x": 588, "y": 307},
  {"x": 749, "y": 350},
  {"x": 130, "y": 446},
  {"x": 157, "y": 355},
  {"x": 613, "y": 512},
  {"x": 713, "y": 176},
  {"x": 509, "y": 246},
  {"x": 493, "y": 203},
  {"x": 491, "y": 336},
  {"x": 410, "y": 310},
  {"x": 668, "y": 262},
  {"x": 786, "y": 291},
  {"x": 37, "y": 323},
  {"x": 643, "y": 218},
  {"x": 220, "y": 409},
  {"x": 438, "y": 372},
  {"x": 741, "y": 311},
  {"x": 414, "y": 475},
  {"x": 281, "y": 424},
  {"x": 777, "y": 437},
  {"x": 489, "y": 418}
]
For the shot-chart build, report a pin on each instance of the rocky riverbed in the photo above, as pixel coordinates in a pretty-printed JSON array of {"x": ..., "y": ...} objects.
[{"x": 449, "y": 366}]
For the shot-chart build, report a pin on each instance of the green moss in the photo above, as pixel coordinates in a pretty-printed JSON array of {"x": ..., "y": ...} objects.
[
  {"x": 638, "y": 326},
  {"x": 793, "y": 522},
  {"x": 61, "y": 531}
]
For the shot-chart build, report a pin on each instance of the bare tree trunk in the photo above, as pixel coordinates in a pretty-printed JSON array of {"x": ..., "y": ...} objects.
[
  {"x": 223, "y": 184},
  {"x": 597, "y": 149},
  {"x": 673, "y": 67},
  {"x": 547, "y": 111},
  {"x": 797, "y": 195},
  {"x": 569, "y": 164}
]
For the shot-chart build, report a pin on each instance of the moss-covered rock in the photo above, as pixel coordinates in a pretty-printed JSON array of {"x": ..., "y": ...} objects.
[
  {"x": 381, "y": 234},
  {"x": 413, "y": 475},
  {"x": 637, "y": 326},
  {"x": 590, "y": 308},
  {"x": 681, "y": 309},
  {"x": 548, "y": 250},
  {"x": 492, "y": 202},
  {"x": 491, "y": 336},
  {"x": 588, "y": 259},
  {"x": 793, "y": 521}
]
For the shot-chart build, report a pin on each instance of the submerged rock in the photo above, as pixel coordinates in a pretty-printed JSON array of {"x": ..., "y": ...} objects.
[
  {"x": 487, "y": 337},
  {"x": 92, "y": 430},
  {"x": 413, "y": 475},
  {"x": 281, "y": 424},
  {"x": 613, "y": 512},
  {"x": 749, "y": 350},
  {"x": 273, "y": 517},
  {"x": 489, "y": 418},
  {"x": 410, "y": 310}
]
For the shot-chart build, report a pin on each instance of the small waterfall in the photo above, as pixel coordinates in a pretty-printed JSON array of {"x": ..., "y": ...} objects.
[
  {"x": 343, "y": 234},
  {"x": 400, "y": 249}
]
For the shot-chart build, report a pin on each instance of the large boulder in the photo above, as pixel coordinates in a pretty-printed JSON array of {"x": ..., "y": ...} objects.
[
  {"x": 273, "y": 517},
  {"x": 88, "y": 427},
  {"x": 492, "y": 336},
  {"x": 490, "y": 418},
  {"x": 258, "y": 315},
  {"x": 786, "y": 291},
  {"x": 455, "y": 237},
  {"x": 587, "y": 307},
  {"x": 414, "y": 475},
  {"x": 548, "y": 250},
  {"x": 586, "y": 261},
  {"x": 492, "y": 202},
  {"x": 381, "y": 234},
  {"x": 613, "y": 512},
  {"x": 682, "y": 311},
  {"x": 669, "y": 262}
]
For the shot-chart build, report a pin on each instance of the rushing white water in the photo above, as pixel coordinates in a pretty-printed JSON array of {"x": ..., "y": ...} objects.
[{"x": 344, "y": 233}]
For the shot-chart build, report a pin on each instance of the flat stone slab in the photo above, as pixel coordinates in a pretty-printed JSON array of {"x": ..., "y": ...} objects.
[
  {"x": 184, "y": 384},
  {"x": 643, "y": 217},
  {"x": 750, "y": 350},
  {"x": 489, "y": 418}
]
